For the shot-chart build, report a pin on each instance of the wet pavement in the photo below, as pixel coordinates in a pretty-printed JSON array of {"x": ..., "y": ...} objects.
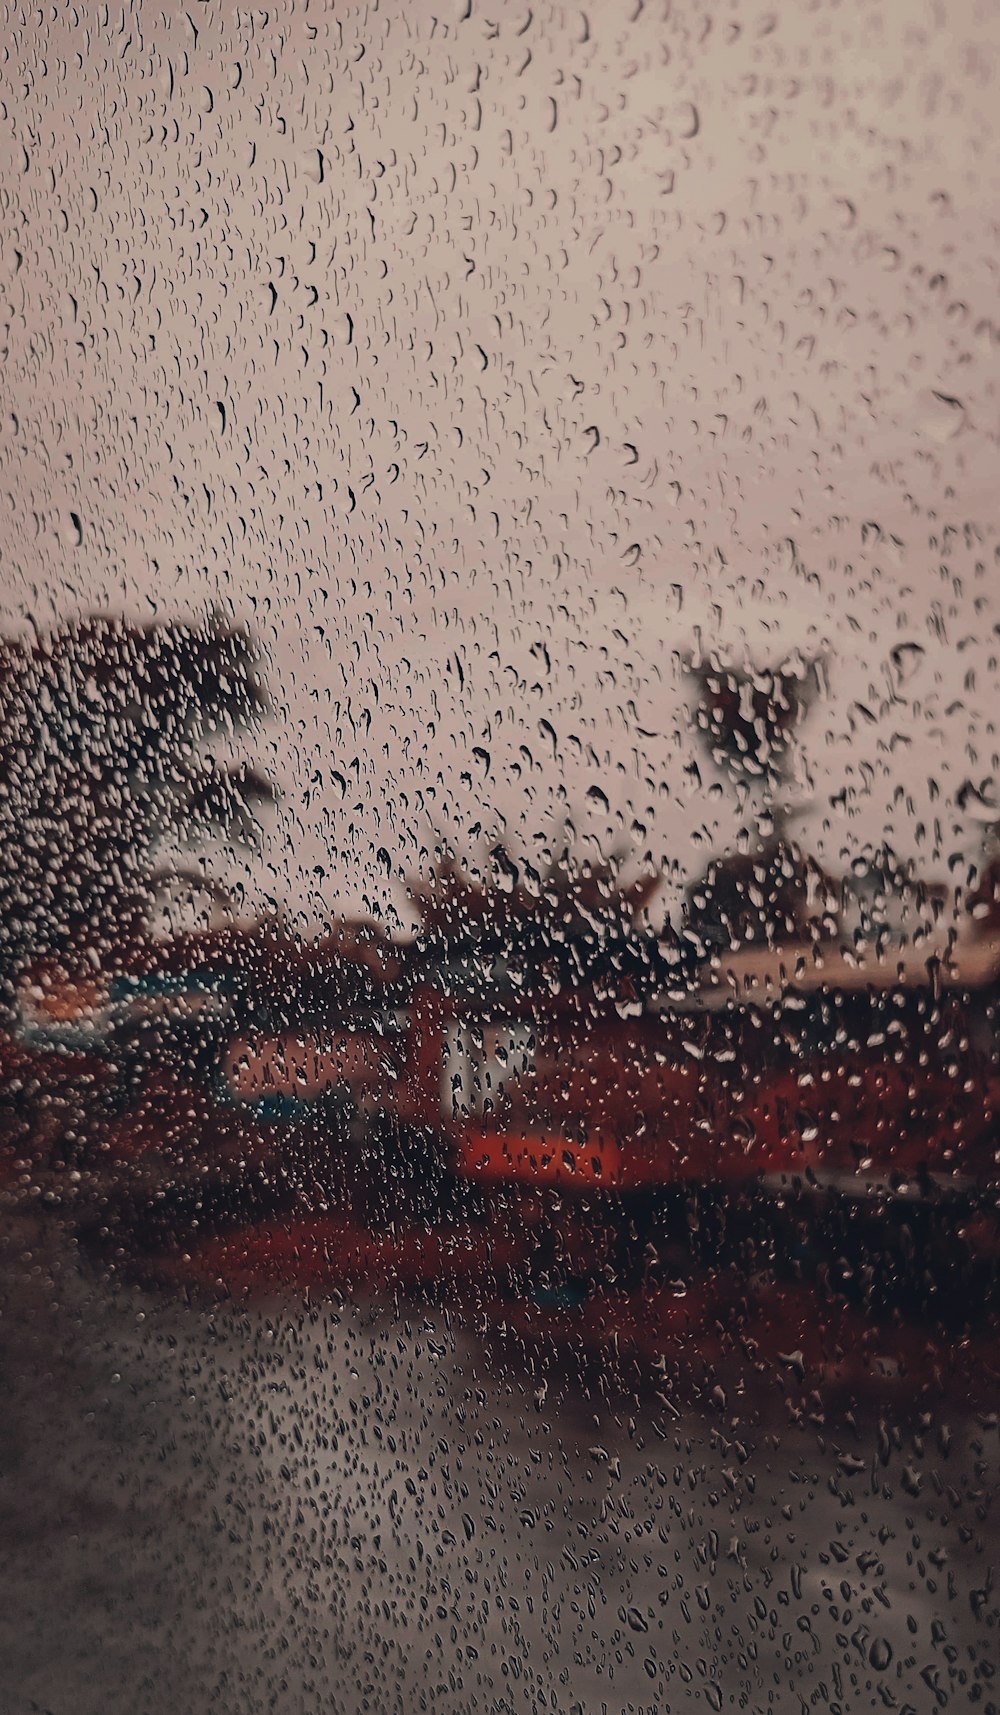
[{"x": 303, "y": 1506}]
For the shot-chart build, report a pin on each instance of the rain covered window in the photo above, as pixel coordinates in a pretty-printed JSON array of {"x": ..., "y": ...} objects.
[{"x": 499, "y": 857}]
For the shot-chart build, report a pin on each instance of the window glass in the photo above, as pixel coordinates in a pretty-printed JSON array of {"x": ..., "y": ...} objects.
[{"x": 499, "y": 857}]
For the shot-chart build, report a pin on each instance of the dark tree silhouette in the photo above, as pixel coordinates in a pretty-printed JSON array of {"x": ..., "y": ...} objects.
[
  {"x": 747, "y": 718},
  {"x": 104, "y": 735},
  {"x": 769, "y": 897},
  {"x": 573, "y": 927}
]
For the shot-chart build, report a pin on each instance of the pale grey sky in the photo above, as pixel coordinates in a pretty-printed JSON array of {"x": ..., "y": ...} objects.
[{"x": 477, "y": 354}]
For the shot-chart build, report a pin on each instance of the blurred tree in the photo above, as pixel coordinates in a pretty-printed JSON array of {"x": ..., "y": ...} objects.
[
  {"x": 577, "y": 926},
  {"x": 773, "y": 892},
  {"x": 772, "y": 896},
  {"x": 889, "y": 896},
  {"x": 105, "y": 729}
]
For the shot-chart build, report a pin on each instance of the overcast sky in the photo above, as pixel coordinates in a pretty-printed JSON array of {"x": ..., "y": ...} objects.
[{"x": 483, "y": 356}]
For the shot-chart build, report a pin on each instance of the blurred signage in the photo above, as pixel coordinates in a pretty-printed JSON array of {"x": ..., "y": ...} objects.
[{"x": 295, "y": 1064}]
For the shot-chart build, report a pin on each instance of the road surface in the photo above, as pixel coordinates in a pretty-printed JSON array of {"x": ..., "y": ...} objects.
[{"x": 301, "y": 1507}]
